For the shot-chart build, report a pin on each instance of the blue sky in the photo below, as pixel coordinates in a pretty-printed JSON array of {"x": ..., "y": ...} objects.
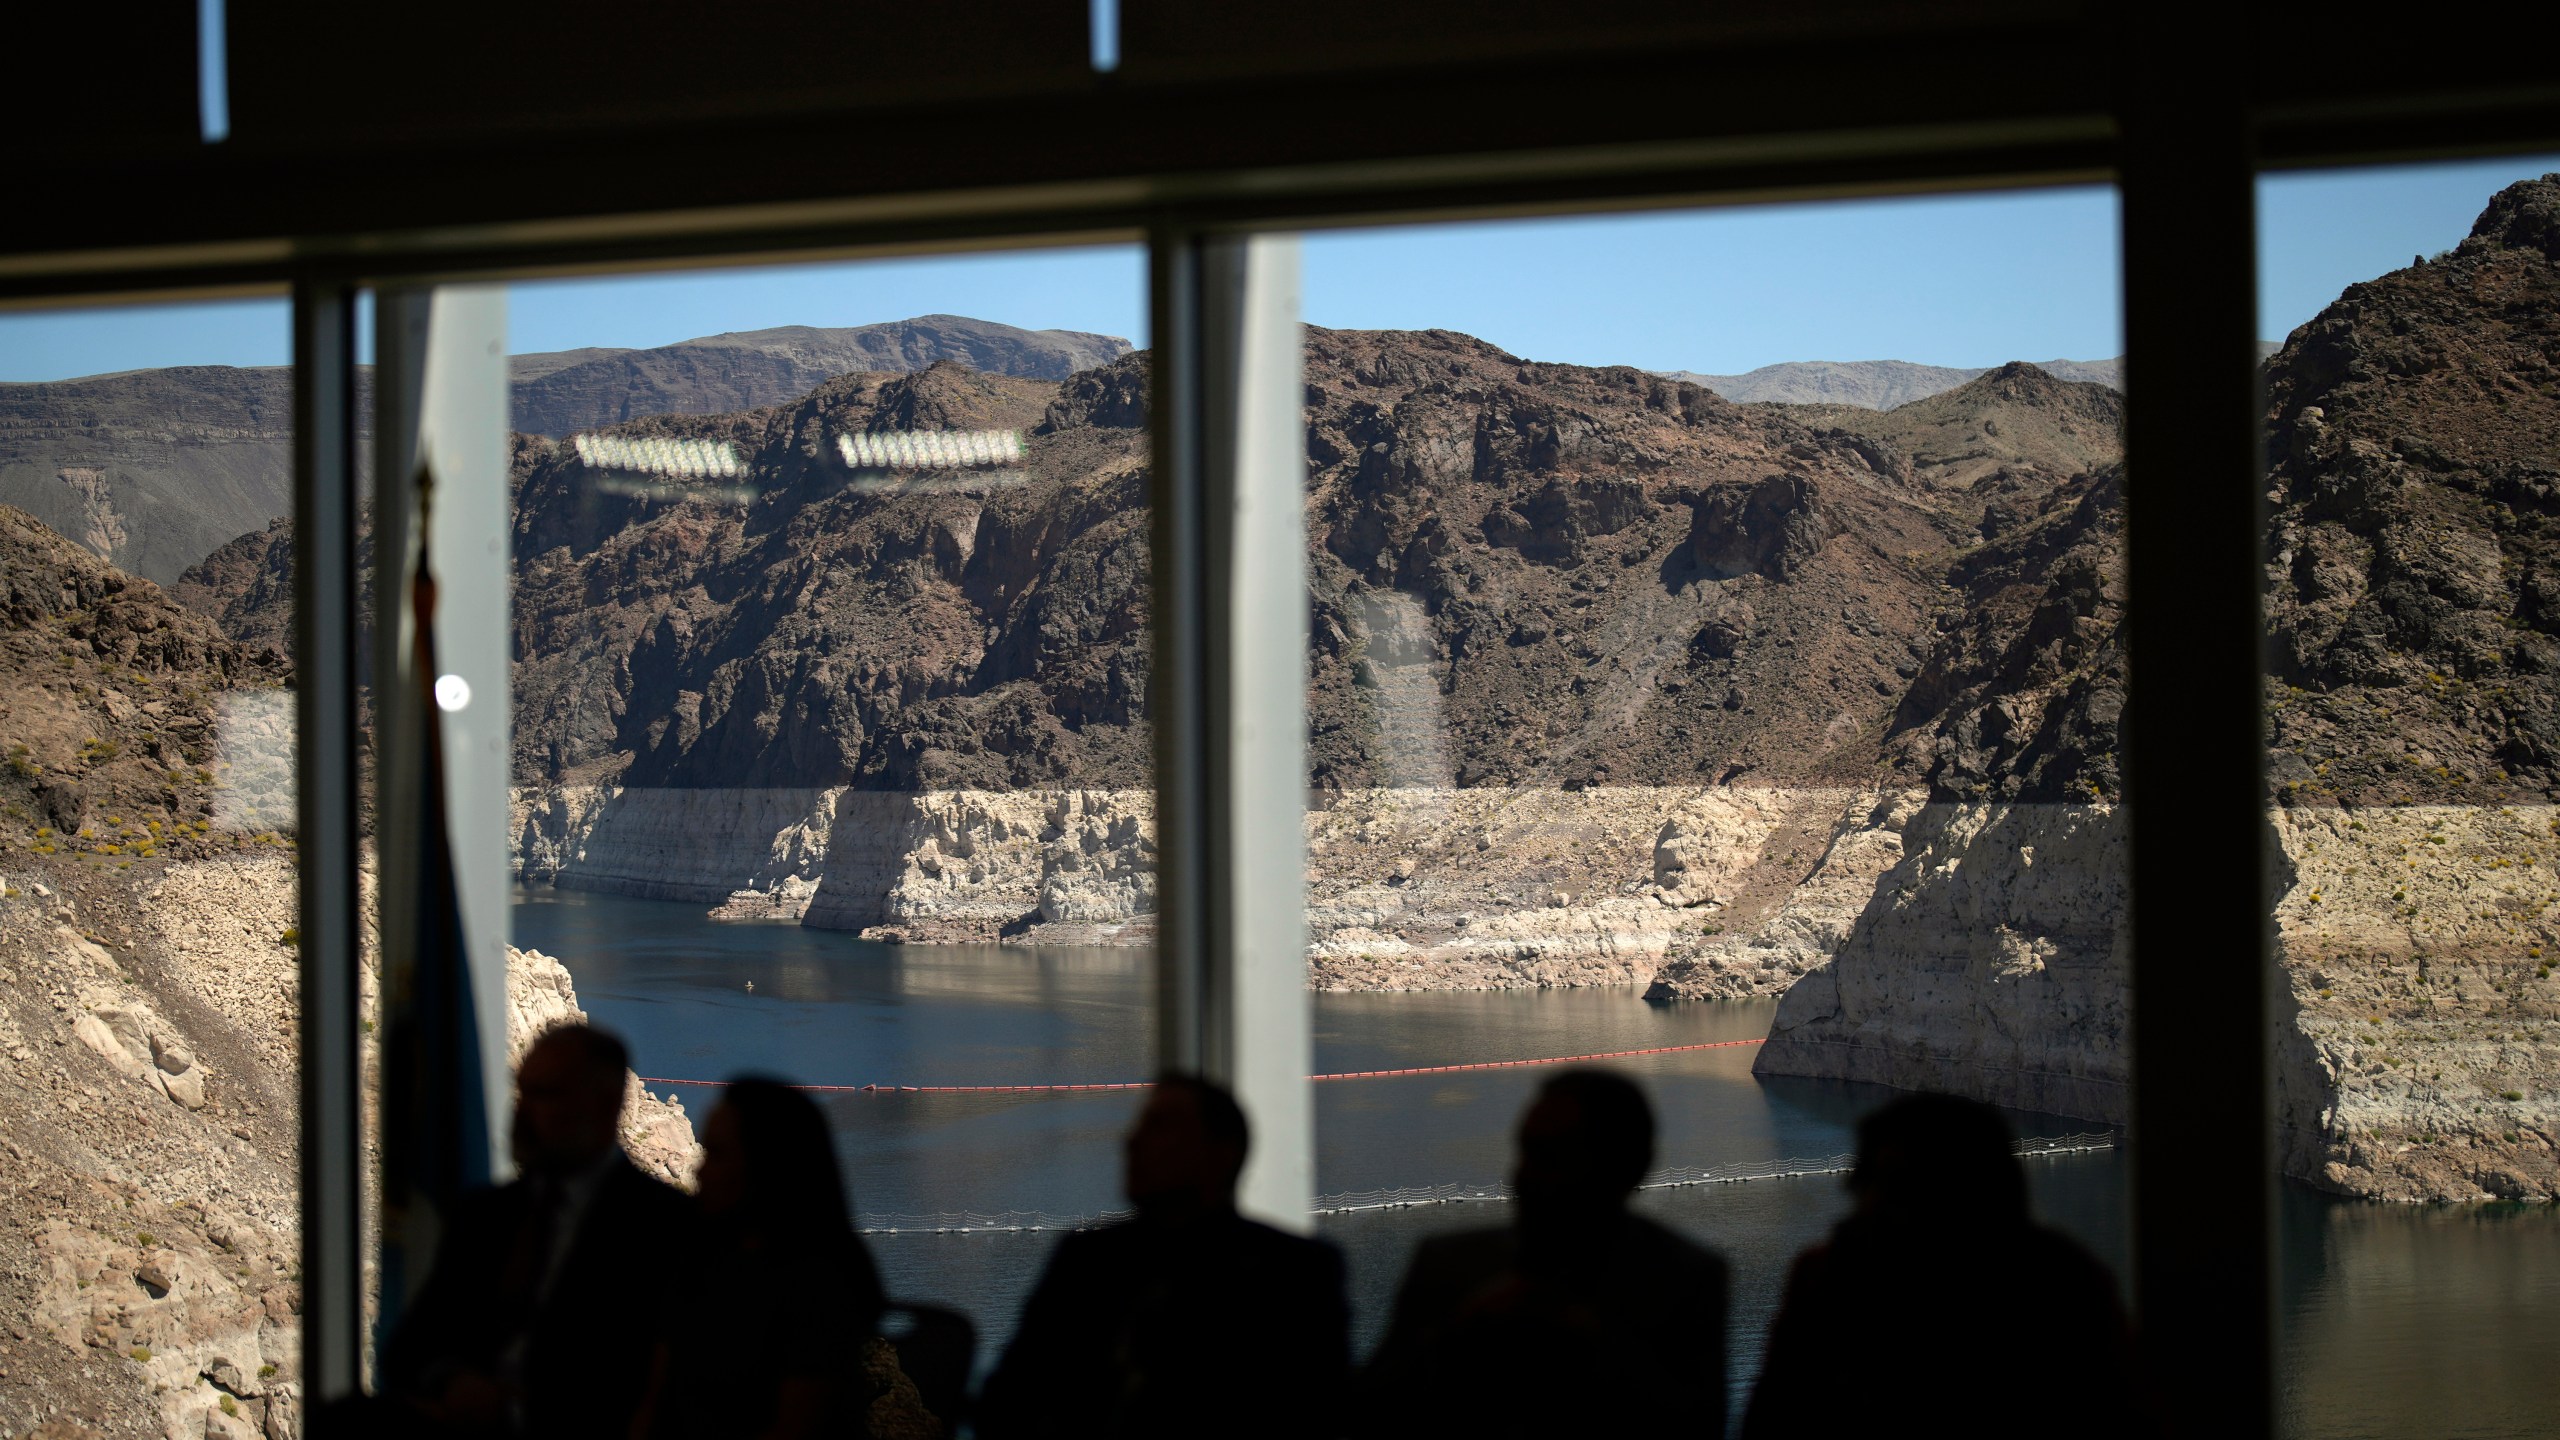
[{"x": 1947, "y": 280}]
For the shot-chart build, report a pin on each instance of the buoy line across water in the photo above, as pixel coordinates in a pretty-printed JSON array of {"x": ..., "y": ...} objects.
[
  {"x": 1144, "y": 1084},
  {"x": 984, "y": 1222}
]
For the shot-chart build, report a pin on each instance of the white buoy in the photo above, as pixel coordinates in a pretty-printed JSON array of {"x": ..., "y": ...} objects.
[{"x": 751, "y": 985}]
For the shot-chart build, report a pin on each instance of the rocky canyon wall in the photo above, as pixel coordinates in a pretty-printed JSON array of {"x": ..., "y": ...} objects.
[
  {"x": 1414, "y": 888},
  {"x": 945, "y": 866},
  {"x": 1989, "y": 959},
  {"x": 2417, "y": 1057},
  {"x": 2412, "y": 1020},
  {"x": 1977, "y": 946}
]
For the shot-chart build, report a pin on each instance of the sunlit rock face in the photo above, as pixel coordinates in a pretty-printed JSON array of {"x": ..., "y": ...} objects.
[{"x": 1989, "y": 960}]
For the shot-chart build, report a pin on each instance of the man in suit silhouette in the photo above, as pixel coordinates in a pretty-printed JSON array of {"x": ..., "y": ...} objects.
[
  {"x": 1188, "y": 1320},
  {"x": 540, "y": 1315},
  {"x": 1580, "y": 1317}
]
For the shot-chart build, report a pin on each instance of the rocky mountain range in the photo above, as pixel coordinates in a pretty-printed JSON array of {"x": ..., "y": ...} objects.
[
  {"x": 1607, "y": 577},
  {"x": 155, "y": 469},
  {"x": 1883, "y": 384},
  {"x": 571, "y": 390},
  {"x": 1874, "y": 384}
]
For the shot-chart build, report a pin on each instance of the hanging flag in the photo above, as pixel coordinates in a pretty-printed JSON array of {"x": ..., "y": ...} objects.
[{"x": 436, "y": 1141}]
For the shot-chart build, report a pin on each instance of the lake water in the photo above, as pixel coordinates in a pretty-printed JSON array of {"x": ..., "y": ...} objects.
[{"x": 2398, "y": 1321}]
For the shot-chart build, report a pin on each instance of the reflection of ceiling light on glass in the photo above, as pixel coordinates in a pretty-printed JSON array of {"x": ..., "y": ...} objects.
[
  {"x": 641, "y": 489},
  {"x": 452, "y": 693},
  {"x": 931, "y": 449},
  {"x": 659, "y": 455}
]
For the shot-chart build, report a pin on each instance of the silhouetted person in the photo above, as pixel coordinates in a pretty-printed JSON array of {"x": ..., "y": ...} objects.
[
  {"x": 1189, "y": 1320},
  {"x": 1580, "y": 1317},
  {"x": 1939, "y": 1306},
  {"x": 547, "y": 1297},
  {"x": 779, "y": 1305}
]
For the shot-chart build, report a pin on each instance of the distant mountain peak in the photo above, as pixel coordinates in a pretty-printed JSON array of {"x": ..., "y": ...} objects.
[{"x": 1878, "y": 384}]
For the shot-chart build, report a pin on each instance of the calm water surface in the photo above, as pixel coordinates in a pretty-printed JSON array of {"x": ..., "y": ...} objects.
[{"x": 2398, "y": 1321}]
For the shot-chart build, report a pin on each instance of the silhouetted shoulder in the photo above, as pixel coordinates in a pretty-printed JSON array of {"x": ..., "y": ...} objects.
[
  {"x": 1660, "y": 1247},
  {"x": 1279, "y": 1245},
  {"x": 650, "y": 1197}
]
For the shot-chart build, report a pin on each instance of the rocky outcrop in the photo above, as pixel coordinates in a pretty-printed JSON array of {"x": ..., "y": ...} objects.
[
  {"x": 700, "y": 846},
  {"x": 2418, "y": 1055},
  {"x": 2016, "y": 417},
  {"x": 937, "y": 866},
  {"x": 149, "y": 1213},
  {"x": 247, "y": 587},
  {"x": 1073, "y": 866},
  {"x": 1556, "y": 576},
  {"x": 1439, "y": 889},
  {"x": 1989, "y": 959},
  {"x": 1585, "y": 577},
  {"x": 1793, "y": 932},
  {"x": 112, "y": 719},
  {"x": 99, "y": 526},
  {"x": 2414, "y": 544},
  {"x": 656, "y": 1133},
  {"x": 148, "y": 1259}
]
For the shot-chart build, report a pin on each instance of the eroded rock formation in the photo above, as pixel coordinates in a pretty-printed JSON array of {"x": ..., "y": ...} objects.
[{"x": 149, "y": 1260}]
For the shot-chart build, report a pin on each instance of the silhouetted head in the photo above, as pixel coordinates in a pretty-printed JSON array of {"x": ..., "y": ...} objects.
[
  {"x": 1188, "y": 1147},
  {"x": 771, "y": 1189},
  {"x": 1939, "y": 1158},
  {"x": 569, "y": 1099},
  {"x": 1585, "y": 1143},
  {"x": 769, "y": 1162}
]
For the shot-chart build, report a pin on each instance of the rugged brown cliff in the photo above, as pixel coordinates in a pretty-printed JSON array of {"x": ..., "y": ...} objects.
[
  {"x": 130, "y": 724},
  {"x": 2415, "y": 507}
]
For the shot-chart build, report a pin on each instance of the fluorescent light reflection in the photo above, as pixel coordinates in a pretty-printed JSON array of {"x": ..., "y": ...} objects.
[
  {"x": 659, "y": 455},
  {"x": 656, "y": 467},
  {"x": 213, "y": 72},
  {"x": 931, "y": 449},
  {"x": 253, "y": 738},
  {"x": 640, "y": 489},
  {"x": 1105, "y": 18}
]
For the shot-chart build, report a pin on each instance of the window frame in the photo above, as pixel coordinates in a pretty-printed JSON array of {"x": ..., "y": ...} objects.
[{"x": 2186, "y": 169}]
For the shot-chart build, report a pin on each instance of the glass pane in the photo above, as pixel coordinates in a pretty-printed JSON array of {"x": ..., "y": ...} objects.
[
  {"x": 1715, "y": 679},
  {"x": 148, "y": 978},
  {"x": 2414, "y": 458},
  {"x": 831, "y": 754}
]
